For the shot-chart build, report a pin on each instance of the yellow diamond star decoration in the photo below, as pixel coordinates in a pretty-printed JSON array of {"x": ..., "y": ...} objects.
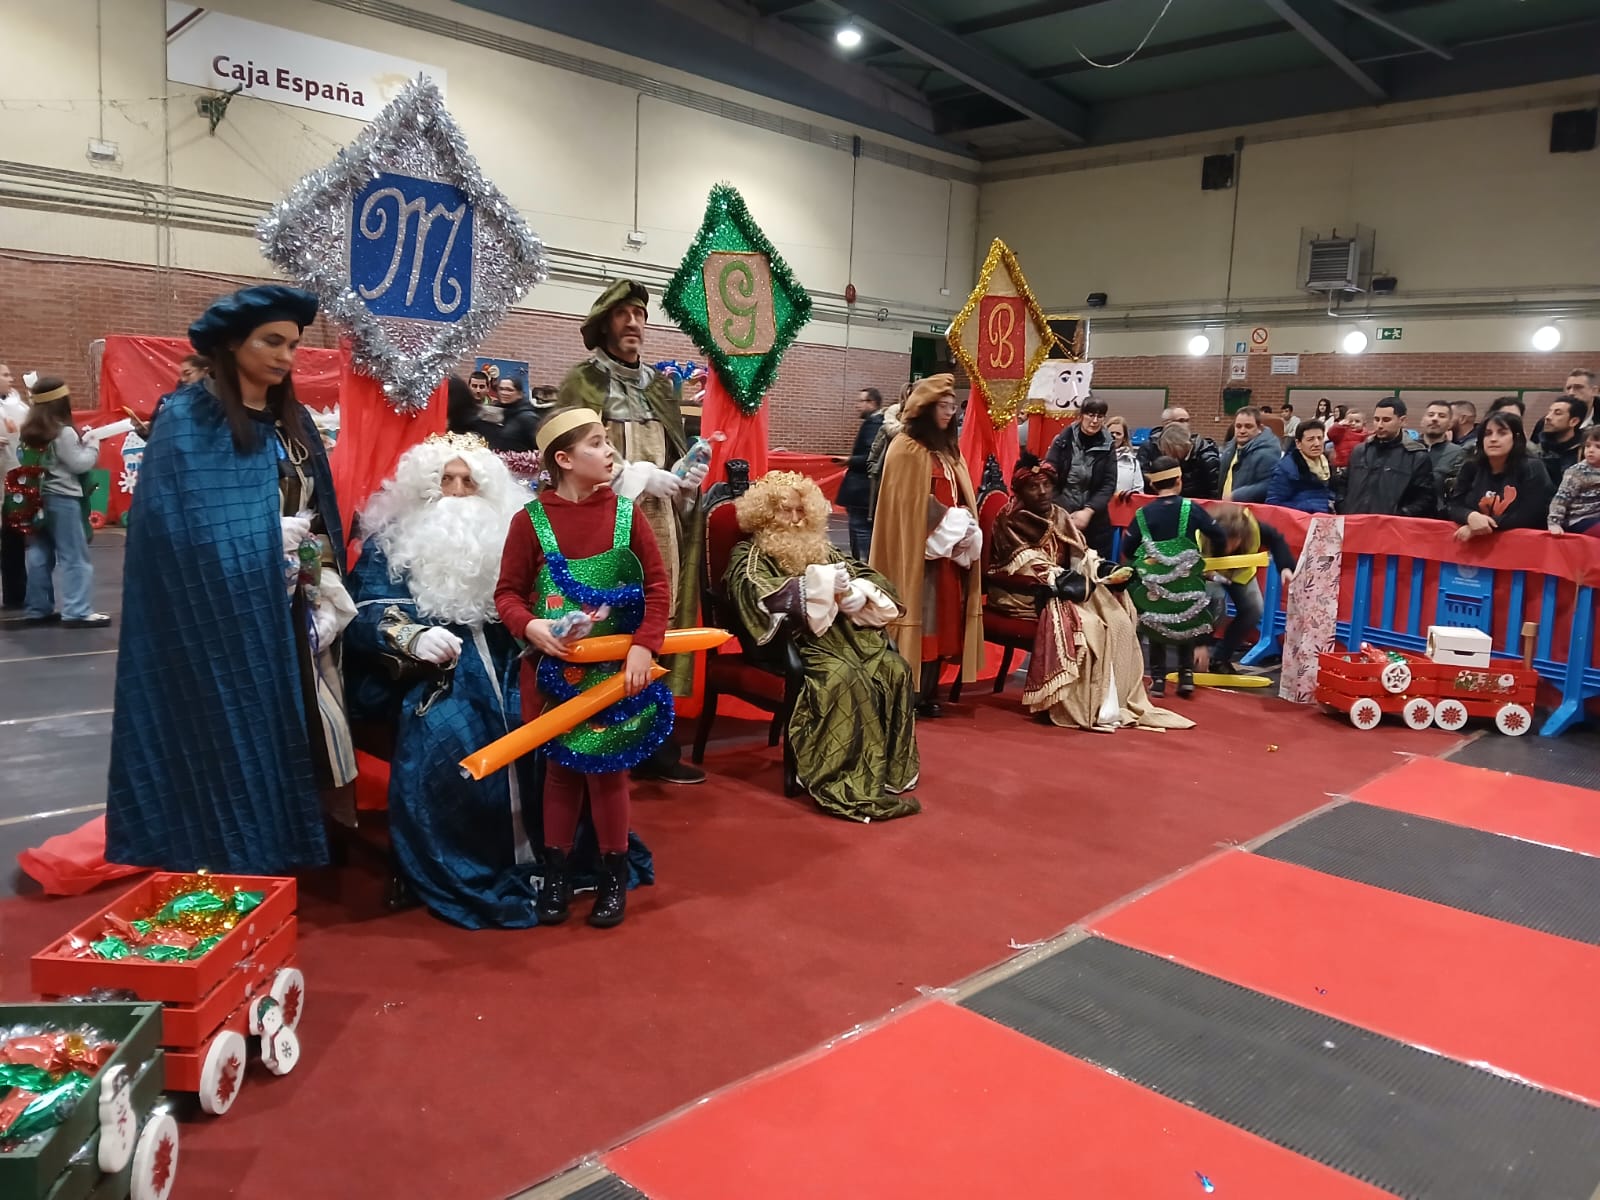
[{"x": 1001, "y": 337}]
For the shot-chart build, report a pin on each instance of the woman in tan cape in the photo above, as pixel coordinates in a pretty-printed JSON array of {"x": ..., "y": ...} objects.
[{"x": 925, "y": 539}]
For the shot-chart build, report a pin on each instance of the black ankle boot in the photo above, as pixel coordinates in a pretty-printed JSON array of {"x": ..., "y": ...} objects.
[
  {"x": 1158, "y": 671},
  {"x": 556, "y": 894},
  {"x": 1185, "y": 672},
  {"x": 611, "y": 897}
]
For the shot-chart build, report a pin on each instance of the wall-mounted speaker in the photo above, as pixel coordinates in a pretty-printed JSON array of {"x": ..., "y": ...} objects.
[
  {"x": 1383, "y": 285},
  {"x": 1216, "y": 172},
  {"x": 1573, "y": 131},
  {"x": 1096, "y": 300}
]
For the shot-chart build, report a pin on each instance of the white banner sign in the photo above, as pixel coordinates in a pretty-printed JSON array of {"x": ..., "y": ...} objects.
[{"x": 217, "y": 50}]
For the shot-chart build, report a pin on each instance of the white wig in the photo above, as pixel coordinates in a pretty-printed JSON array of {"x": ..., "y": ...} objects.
[{"x": 447, "y": 549}]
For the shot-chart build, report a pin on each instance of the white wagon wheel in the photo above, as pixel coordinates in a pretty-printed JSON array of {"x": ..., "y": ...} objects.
[
  {"x": 155, "y": 1159},
  {"x": 1513, "y": 720},
  {"x": 1418, "y": 712},
  {"x": 222, "y": 1074},
  {"x": 1395, "y": 677},
  {"x": 289, "y": 990},
  {"x": 1450, "y": 714},
  {"x": 1365, "y": 713},
  {"x": 281, "y": 1052}
]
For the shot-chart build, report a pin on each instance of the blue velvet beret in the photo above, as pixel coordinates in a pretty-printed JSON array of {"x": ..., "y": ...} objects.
[{"x": 249, "y": 308}]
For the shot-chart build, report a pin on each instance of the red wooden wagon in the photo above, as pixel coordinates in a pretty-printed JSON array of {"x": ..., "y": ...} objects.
[
  {"x": 248, "y": 985},
  {"x": 1423, "y": 692}
]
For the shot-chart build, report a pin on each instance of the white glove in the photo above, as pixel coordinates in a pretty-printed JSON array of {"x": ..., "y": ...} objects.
[
  {"x": 664, "y": 483},
  {"x": 295, "y": 531},
  {"x": 696, "y": 475},
  {"x": 841, "y": 579},
  {"x": 853, "y": 600},
  {"x": 436, "y": 645}
]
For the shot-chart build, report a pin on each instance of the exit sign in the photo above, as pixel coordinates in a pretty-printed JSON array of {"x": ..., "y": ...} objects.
[{"x": 1389, "y": 333}]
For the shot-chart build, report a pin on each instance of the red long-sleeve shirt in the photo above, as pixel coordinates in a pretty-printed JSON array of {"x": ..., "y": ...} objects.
[{"x": 582, "y": 529}]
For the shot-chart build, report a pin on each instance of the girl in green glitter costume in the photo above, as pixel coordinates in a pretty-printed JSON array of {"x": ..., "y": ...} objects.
[{"x": 582, "y": 547}]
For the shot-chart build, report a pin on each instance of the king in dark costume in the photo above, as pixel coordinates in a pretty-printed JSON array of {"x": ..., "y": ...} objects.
[{"x": 229, "y": 731}]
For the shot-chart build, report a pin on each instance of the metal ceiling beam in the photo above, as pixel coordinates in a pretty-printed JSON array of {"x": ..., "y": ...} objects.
[
  {"x": 1399, "y": 31},
  {"x": 950, "y": 52},
  {"x": 1017, "y": 16},
  {"x": 1315, "y": 20}
]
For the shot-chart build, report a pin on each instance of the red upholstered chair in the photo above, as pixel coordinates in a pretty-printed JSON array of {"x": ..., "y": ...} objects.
[
  {"x": 768, "y": 677},
  {"x": 1009, "y": 633}
]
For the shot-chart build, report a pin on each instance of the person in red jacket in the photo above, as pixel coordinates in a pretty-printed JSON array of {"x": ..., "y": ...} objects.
[{"x": 581, "y": 548}]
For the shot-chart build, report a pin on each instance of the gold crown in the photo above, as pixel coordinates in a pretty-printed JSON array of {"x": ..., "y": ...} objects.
[{"x": 457, "y": 441}]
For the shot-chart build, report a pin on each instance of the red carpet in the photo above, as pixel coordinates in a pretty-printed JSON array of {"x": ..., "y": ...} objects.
[
  {"x": 1554, "y": 814},
  {"x": 481, "y": 1063},
  {"x": 1476, "y": 989},
  {"x": 942, "y": 1104}
]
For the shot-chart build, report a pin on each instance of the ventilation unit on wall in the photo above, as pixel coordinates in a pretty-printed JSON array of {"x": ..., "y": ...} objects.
[{"x": 1336, "y": 262}]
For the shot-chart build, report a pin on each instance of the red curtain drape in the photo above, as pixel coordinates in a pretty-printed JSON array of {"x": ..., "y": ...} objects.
[
  {"x": 372, "y": 437},
  {"x": 980, "y": 439},
  {"x": 746, "y": 434}
]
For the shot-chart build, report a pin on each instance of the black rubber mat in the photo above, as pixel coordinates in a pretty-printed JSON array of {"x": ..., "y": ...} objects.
[
  {"x": 1573, "y": 758},
  {"x": 1402, "y": 1119},
  {"x": 1526, "y": 884},
  {"x": 609, "y": 1188}
]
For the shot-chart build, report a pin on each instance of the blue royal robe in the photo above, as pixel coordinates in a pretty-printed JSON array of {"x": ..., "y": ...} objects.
[
  {"x": 211, "y": 764},
  {"x": 465, "y": 846}
]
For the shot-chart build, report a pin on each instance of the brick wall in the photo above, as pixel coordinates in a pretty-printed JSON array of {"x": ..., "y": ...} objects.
[
  {"x": 1197, "y": 383},
  {"x": 53, "y": 309}
]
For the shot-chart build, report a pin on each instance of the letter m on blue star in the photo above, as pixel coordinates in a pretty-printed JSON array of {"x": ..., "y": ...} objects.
[{"x": 411, "y": 249}]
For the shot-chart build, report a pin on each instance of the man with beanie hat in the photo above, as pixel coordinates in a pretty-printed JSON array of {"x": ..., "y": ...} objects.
[{"x": 644, "y": 423}]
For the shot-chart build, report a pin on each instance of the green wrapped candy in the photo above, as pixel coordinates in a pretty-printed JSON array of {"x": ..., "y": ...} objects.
[
  {"x": 204, "y": 945},
  {"x": 200, "y": 903},
  {"x": 29, "y": 1079},
  {"x": 244, "y": 902},
  {"x": 111, "y": 947},
  {"x": 142, "y": 928},
  {"x": 51, "y": 1108},
  {"x": 164, "y": 953}
]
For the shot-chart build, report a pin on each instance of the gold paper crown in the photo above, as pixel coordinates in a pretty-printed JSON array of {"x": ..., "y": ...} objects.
[
  {"x": 562, "y": 422},
  {"x": 457, "y": 441}
]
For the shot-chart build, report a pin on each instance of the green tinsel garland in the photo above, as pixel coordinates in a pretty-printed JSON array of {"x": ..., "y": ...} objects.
[{"x": 728, "y": 226}]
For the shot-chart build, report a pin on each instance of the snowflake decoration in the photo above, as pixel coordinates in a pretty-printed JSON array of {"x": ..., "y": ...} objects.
[
  {"x": 126, "y": 480},
  {"x": 291, "y": 1006},
  {"x": 406, "y": 245},
  {"x": 228, "y": 1079},
  {"x": 166, "y": 1159}
]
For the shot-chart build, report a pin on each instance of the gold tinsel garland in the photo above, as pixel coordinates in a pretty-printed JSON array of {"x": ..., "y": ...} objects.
[{"x": 1003, "y": 398}]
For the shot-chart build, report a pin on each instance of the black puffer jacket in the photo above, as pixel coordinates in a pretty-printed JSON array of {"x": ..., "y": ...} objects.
[
  {"x": 1392, "y": 477},
  {"x": 1202, "y": 469},
  {"x": 516, "y": 431}
]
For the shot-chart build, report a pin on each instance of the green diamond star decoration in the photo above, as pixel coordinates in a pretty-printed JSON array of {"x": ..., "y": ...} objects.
[{"x": 736, "y": 298}]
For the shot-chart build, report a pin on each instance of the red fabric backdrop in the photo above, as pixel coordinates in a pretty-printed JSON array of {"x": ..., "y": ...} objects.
[
  {"x": 980, "y": 439},
  {"x": 135, "y": 372},
  {"x": 745, "y": 435}
]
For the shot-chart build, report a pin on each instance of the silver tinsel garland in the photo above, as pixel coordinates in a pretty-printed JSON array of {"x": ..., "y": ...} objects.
[{"x": 308, "y": 235}]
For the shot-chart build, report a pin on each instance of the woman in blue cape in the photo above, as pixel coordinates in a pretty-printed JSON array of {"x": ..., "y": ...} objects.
[{"x": 229, "y": 733}]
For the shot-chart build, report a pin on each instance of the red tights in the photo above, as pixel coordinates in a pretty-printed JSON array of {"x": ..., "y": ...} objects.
[{"x": 563, "y": 804}]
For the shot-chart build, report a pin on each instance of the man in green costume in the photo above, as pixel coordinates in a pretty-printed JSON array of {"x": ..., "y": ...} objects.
[
  {"x": 853, "y": 728},
  {"x": 644, "y": 422}
]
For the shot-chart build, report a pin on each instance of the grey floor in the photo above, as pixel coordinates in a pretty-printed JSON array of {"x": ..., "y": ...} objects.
[{"x": 55, "y": 720}]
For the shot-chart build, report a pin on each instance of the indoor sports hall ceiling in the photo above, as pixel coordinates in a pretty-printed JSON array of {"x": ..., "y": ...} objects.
[{"x": 1000, "y": 78}]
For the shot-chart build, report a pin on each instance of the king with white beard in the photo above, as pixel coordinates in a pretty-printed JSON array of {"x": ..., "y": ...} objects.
[{"x": 427, "y": 655}]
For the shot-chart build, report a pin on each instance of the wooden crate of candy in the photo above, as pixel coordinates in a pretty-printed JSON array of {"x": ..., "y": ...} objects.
[
  {"x": 217, "y": 951},
  {"x": 82, "y": 1114},
  {"x": 1372, "y": 683}
]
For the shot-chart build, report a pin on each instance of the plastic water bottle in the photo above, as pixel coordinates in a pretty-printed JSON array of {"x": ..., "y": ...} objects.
[
  {"x": 699, "y": 454},
  {"x": 576, "y": 624}
]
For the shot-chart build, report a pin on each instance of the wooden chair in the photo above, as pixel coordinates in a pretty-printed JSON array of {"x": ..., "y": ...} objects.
[
  {"x": 767, "y": 676},
  {"x": 1009, "y": 633}
]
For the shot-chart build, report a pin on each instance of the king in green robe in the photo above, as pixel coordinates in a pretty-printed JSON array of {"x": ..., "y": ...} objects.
[{"x": 853, "y": 729}]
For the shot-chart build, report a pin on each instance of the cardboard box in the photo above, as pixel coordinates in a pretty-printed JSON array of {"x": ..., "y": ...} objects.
[{"x": 1454, "y": 646}]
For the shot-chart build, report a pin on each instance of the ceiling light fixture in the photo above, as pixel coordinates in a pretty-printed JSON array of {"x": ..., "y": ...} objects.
[
  {"x": 848, "y": 37},
  {"x": 1199, "y": 344},
  {"x": 1355, "y": 342},
  {"x": 1546, "y": 338}
]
